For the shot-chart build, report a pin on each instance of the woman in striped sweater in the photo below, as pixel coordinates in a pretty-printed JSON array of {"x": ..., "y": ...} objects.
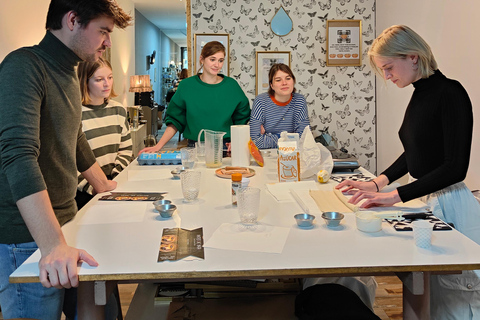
[
  {"x": 279, "y": 109},
  {"x": 104, "y": 122}
]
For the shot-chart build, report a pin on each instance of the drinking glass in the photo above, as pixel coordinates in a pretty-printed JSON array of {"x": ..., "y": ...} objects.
[
  {"x": 248, "y": 202},
  {"x": 422, "y": 233},
  {"x": 200, "y": 146},
  {"x": 189, "y": 156},
  {"x": 190, "y": 184}
]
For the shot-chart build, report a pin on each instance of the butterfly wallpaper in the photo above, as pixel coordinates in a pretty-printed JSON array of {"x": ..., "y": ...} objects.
[{"x": 341, "y": 100}]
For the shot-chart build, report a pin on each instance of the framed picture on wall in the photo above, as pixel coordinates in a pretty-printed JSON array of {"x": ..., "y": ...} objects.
[
  {"x": 344, "y": 43},
  {"x": 264, "y": 61},
  {"x": 201, "y": 39}
]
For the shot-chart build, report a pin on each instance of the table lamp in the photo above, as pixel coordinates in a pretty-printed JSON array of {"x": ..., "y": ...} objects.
[{"x": 139, "y": 84}]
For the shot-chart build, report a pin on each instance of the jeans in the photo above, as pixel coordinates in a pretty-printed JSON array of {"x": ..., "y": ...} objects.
[
  {"x": 25, "y": 300},
  {"x": 70, "y": 306}
]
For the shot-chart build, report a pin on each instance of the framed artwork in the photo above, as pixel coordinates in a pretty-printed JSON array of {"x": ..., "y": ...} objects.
[
  {"x": 201, "y": 39},
  {"x": 344, "y": 42},
  {"x": 263, "y": 63}
]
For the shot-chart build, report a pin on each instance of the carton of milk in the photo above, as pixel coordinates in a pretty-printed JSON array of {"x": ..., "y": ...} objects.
[{"x": 288, "y": 158}]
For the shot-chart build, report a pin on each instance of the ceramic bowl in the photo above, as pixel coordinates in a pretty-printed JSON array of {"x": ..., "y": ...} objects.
[
  {"x": 368, "y": 222},
  {"x": 176, "y": 172},
  {"x": 332, "y": 218},
  {"x": 304, "y": 220},
  {"x": 166, "y": 210}
]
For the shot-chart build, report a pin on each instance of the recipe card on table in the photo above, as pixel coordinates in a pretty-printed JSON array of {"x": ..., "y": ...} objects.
[
  {"x": 133, "y": 196},
  {"x": 180, "y": 243},
  {"x": 258, "y": 238}
]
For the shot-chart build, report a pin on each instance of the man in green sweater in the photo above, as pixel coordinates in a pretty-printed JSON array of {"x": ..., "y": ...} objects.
[{"x": 41, "y": 148}]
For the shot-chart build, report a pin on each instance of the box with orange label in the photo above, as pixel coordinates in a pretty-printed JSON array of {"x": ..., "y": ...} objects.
[{"x": 288, "y": 161}]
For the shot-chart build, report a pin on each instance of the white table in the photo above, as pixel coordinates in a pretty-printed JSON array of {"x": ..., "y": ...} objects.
[{"x": 125, "y": 241}]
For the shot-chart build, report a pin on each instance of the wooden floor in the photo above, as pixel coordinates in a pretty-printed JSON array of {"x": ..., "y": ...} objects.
[{"x": 388, "y": 299}]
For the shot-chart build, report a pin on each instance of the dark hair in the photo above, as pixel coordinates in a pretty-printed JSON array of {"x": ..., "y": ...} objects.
[
  {"x": 271, "y": 74},
  {"x": 210, "y": 49},
  {"x": 85, "y": 71},
  {"x": 183, "y": 74},
  {"x": 86, "y": 10}
]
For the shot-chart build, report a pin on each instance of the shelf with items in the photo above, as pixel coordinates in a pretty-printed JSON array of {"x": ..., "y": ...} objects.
[{"x": 169, "y": 75}]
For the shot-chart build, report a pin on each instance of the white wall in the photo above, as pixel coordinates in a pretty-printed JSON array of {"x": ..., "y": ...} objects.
[
  {"x": 22, "y": 23},
  {"x": 123, "y": 57},
  {"x": 449, "y": 28}
]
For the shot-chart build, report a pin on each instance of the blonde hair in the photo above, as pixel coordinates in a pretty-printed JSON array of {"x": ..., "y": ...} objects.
[
  {"x": 400, "y": 41},
  {"x": 85, "y": 71}
]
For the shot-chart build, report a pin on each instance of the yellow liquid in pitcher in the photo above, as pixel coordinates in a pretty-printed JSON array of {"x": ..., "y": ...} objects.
[{"x": 213, "y": 164}]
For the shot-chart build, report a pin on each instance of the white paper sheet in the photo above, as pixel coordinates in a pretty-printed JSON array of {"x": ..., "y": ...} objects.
[
  {"x": 262, "y": 238},
  {"x": 304, "y": 195},
  {"x": 281, "y": 190},
  {"x": 140, "y": 175},
  {"x": 115, "y": 212}
]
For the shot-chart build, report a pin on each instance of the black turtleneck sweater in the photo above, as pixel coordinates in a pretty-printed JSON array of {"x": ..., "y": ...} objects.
[
  {"x": 436, "y": 134},
  {"x": 41, "y": 141}
]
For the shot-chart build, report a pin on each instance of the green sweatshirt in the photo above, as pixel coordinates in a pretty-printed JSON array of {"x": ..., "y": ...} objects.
[
  {"x": 41, "y": 141},
  {"x": 197, "y": 105}
]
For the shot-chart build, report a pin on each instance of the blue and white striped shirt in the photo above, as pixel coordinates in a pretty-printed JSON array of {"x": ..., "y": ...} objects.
[{"x": 275, "y": 118}]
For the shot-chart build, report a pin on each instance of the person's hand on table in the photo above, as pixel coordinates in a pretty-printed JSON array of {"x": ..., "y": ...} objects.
[
  {"x": 108, "y": 186},
  {"x": 348, "y": 185},
  {"x": 58, "y": 267},
  {"x": 229, "y": 146},
  {"x": 375, "y": 199},
  {"x": 149, "y": 150}
]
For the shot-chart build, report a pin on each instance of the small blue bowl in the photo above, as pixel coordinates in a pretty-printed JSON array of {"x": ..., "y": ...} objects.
[{"x": 304, "y": 220}]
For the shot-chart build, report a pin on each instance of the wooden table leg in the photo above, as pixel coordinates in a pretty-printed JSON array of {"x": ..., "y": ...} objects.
[
  {"x": 416, "y": 295},
  {"x": 92, "y": 298}
]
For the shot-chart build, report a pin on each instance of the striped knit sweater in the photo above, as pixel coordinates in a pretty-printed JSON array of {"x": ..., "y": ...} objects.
[
  {"x": 277, "y": 117},
  {"x": 108, "y": 133}
]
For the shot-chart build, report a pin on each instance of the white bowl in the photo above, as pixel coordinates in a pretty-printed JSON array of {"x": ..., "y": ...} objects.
[{"x": 368, "y": 222}]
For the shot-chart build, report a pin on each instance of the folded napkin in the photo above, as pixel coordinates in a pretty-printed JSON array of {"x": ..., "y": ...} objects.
[{"x": 260, "y": 238}]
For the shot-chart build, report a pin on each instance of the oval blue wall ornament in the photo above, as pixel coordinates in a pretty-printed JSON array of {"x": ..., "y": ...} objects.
[{"x": 281, "y": 23}]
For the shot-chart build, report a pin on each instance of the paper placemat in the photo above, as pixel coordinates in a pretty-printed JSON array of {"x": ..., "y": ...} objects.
[
  {"x": 261, "y": 238},
  {"x": 281, "y": 190},
  {"x": 141, "y": 175},
  {"x": 114, "y": 212}
]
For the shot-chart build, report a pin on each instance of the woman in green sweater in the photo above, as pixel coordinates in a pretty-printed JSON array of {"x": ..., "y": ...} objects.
[{"x": 208, "y": 100}]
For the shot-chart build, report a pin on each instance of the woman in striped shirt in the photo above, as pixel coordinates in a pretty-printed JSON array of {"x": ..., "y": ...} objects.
[
  {"x": 279, "y": 109},
  {"x": 104, "y": 122}
]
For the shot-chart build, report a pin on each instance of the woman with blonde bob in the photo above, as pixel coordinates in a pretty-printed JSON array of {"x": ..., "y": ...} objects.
[{"x": 436, "y": 134}]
